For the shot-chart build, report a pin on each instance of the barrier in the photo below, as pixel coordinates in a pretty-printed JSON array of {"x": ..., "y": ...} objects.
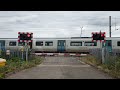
[{"x": 60, "y": 54}]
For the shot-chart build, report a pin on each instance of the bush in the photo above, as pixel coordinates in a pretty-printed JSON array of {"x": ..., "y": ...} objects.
[
  {"x": 16, "y": 64},
  {"x": 111, "y": 65},
  {"x": 92, "y": 60}
]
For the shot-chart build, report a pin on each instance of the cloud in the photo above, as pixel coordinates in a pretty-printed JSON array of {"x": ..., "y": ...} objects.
[{"x": 57, "y": 23}]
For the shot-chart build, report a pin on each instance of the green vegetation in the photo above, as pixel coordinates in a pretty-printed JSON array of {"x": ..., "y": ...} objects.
[
  {"x": 16, "y": 64},
  {"x": 91, "y": 60},
  {"x": 111, "y": 66}
]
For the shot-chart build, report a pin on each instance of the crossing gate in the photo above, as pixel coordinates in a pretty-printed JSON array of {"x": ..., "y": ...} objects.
[{"x": 60, "y": 54}]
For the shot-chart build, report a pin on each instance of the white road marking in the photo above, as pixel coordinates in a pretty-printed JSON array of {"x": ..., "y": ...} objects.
[{"x": 63, "y": 65}]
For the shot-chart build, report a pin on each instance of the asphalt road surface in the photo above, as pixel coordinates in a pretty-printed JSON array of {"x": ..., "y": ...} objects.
[{"x": 61, "y": 68}]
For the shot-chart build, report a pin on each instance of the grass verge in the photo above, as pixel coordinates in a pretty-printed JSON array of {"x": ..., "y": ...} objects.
[
  {"x": 112, "y": 67},
  {"x": 16, "y": 64}
]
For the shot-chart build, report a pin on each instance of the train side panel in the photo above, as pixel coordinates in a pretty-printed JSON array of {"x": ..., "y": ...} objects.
[
  {"x": 81, "y": 47},
  {"x": 45, "y": 48}
]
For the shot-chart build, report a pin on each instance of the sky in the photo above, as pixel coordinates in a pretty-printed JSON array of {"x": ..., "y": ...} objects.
[{"x": 56, "y": 24}]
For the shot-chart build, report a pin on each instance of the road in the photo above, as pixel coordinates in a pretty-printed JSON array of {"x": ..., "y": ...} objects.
[{"x": 61, "y": 68}]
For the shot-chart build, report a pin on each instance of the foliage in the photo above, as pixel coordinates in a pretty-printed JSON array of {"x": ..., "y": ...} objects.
[
  {"x": 92, "y": 60},
  {"x": 111, "y": 66},
  {"x": 16, "y": 64}
]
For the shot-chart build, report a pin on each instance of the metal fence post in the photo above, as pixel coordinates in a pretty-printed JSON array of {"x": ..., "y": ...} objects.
[
  {"x": 103, "y": 55},
  {"x": 26, "y": 51},
  {"x": 22, "y": 55}
]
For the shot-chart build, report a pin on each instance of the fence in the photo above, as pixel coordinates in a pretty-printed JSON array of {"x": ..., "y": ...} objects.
[
  {"x": 108, "y": 56},
  {"x": 97, "y": 53},
  {"x": 15, "y": 53}
]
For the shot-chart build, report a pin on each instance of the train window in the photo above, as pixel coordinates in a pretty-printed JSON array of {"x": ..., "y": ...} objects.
[
  {"x": 90, "y": 44},
  {"x": 118, "y": 43},
  {"x": 21, "y": 44},
  {"x": 59, "y": 44},
  {"x": 48, "y": 43},
  {"x": 109, "y": 43},
  {"x": 39, "y": 43},
  {"x": 73, "y": 43},
  {"x": 12, "y": 43}
]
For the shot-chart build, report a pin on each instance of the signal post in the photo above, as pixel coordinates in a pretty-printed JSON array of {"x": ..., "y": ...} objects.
[
  {"x": 99, "y": 36},
  {"x": 25, "y": 37}
]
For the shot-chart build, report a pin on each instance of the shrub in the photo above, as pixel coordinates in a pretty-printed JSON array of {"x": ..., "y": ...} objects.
[
  {"x": 16, "y": 64},
  {"x": 111, "y": 65}
]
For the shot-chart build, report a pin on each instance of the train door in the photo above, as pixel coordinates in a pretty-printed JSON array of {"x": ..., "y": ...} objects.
[
  {"x": 108, "y": 45},
  {"x": 2, "y": 45},
  {"x": 61, "y": 45}
]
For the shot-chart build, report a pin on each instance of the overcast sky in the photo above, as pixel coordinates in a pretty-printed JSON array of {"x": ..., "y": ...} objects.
[{"x": 58, "y": 23}]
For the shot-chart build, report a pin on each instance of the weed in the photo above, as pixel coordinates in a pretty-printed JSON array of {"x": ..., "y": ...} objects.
[{"x": 16, "y": 64}]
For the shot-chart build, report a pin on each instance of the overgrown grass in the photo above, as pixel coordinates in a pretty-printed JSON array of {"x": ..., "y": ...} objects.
[
  {"x": 91, "y": 60},
  {"x": 112, "y": 66},
  {"x": 16, "y": 64}
]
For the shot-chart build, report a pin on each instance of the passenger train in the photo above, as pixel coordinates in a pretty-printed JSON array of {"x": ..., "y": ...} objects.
[{"x": 72, "y": 44}]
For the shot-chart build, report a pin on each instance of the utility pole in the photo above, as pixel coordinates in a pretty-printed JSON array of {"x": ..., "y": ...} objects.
[
  {"x": 115, "y": 23},
  {"x": 81, "y": 31},
  {"x": 109, "y": 26}
]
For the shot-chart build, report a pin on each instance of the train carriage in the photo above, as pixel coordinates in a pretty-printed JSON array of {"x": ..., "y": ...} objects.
[{"x": 72, "y": 44}]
